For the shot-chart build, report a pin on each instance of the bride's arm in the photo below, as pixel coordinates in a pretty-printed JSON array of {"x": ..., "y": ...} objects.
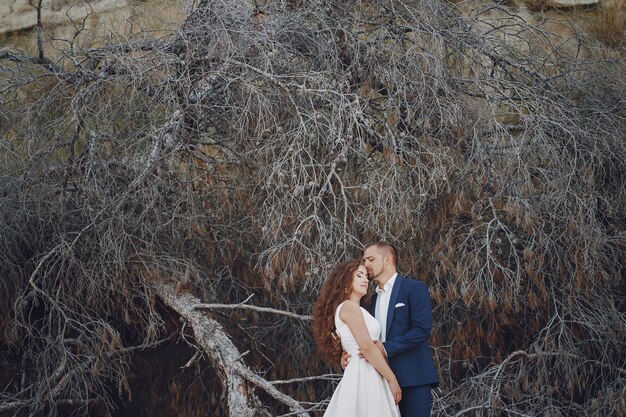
[{"x": 351, "y": 314}]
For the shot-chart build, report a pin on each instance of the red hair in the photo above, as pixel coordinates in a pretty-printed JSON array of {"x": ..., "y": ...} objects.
[{"x": 333, "y": 292}]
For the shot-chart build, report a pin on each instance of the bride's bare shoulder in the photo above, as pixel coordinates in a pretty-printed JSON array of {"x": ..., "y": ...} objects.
[{"x": 349, "y": 309}]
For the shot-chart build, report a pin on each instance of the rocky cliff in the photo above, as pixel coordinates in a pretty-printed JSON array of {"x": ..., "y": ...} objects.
[
  {"x": 80, "y": 20},
  {"x": 61, "y": 19}
]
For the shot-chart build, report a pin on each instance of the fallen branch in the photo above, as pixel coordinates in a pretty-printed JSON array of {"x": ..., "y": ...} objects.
[
  {"x": 225, "y": 357},
  {"x": 271, "y": 390},
  {"x": 253, "y": 308},
  {"x": 325, "y": 377}
]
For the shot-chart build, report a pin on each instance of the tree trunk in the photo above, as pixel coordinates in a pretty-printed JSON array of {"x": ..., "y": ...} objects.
[{"x": 225, "y": 357}]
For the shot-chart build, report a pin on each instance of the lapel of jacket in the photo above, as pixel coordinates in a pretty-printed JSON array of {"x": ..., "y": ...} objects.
[{"x": 392, "y": 301}]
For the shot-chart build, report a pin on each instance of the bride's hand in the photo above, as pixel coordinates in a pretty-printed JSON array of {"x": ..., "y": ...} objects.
[{"x": 396, "y": 391}]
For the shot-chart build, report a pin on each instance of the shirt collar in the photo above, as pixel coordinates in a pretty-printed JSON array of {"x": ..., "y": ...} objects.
[{"x": 388, "y": 285}]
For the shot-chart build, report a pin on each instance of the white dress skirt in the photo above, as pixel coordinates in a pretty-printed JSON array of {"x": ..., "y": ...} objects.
[{"x": 362, "y": 392}]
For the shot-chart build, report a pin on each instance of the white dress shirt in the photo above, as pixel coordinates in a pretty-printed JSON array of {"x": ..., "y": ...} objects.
[{"x": 382, "y": 305}]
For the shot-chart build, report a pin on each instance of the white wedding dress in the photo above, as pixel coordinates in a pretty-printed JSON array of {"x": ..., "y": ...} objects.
[{"x": 362, "y": 392}]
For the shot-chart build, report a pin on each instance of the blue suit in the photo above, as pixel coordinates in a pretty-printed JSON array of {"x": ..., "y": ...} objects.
[{"x": 409, "y": 323}]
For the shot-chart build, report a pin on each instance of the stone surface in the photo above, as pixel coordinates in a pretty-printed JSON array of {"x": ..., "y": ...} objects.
[
  {"x": 604, "y": 19},
  {"x": 19, "y": 14},
  {"x": 571, "y": 3},
  {"x": 99, "y": 19}
]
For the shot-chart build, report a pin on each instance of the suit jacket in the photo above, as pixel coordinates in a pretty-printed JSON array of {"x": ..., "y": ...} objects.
[{"x": 409, "y": 323}]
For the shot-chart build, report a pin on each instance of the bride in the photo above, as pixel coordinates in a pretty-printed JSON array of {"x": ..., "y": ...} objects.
[{"x": 368, "y": 388}]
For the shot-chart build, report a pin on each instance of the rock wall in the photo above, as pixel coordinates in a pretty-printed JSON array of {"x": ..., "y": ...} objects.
[
  {"x": 603, "y": 19},
  {"x": 18, "y": 15},
  {"x": 62, "y": 19}
]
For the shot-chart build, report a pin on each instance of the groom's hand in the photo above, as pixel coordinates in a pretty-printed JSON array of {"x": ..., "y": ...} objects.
[
  {"x": 345, "y": 358},
  {"x": 379, "y": 345}
]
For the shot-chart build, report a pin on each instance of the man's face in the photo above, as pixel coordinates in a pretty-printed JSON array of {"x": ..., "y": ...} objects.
[{"x": 374, "y": 262}]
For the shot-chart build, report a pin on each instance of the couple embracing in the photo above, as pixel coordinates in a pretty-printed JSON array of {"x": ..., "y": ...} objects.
[{"x": 384, "y": 350}]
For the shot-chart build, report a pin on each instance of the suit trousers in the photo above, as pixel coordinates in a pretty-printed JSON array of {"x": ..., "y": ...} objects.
[{"x": 416, "y": 401}]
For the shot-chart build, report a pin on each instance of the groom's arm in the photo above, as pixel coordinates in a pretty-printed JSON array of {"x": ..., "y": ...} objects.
[{"x": 420, "y": 321}]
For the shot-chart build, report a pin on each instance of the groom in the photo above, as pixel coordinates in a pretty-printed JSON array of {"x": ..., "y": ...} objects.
[{"x": 402, "y": 306}]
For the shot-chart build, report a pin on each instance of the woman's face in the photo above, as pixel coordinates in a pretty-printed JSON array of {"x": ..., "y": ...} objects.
[{"x": 360, "y": 283}]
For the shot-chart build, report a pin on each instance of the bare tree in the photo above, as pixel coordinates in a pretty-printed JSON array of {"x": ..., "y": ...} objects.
[{"x": 248, "y": 148}]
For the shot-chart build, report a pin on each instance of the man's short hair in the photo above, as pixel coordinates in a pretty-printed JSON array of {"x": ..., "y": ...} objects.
[{"x": 388, "y": 247}]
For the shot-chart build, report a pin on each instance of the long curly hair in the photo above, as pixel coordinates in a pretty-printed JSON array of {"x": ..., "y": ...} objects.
[{"x": 333, "y": 292}]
